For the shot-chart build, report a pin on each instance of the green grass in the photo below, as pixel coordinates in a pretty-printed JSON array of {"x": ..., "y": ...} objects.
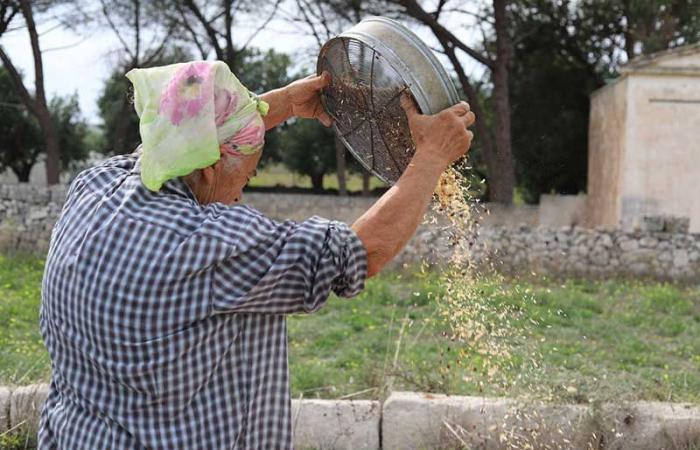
[
  {"x": 597, "y": 341},
  {"x": 23, "y": 358},
  {"x": 277, "y": 175}
]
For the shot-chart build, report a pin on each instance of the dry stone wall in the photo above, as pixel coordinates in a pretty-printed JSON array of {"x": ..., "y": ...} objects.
[
  {"x": 592, "y": 253},
  {"x": 663, "y": 249}
]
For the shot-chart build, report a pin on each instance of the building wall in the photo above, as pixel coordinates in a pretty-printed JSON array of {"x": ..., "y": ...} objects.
[
  {"x": 606, "y": 143},
  {"x": 661, "y": 168}
]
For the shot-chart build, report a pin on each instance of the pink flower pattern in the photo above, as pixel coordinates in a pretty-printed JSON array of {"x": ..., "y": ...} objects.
[
  {"x": 225, "y": 103},
  {"x": 187, "y": 92}
]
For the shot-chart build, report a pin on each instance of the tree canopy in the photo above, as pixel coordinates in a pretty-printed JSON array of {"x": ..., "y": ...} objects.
[{"x": 21, "y": 140}]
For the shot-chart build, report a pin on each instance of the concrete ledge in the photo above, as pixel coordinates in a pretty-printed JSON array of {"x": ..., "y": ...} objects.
[
  {"x": 411, "y": 420},
  {"x": 25, "y": 405},
  {"x": 427, "y": 421},
  {"x": 652, "y": 425},
  {"x": 5, "y": 401},
  {"x": 336, "y": 424}
]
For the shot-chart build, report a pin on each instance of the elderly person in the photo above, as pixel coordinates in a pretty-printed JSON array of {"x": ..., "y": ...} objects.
[{"x": 164, "y": 300}]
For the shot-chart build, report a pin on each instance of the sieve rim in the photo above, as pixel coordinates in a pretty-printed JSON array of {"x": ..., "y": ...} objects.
[
  {"x": 397, "y": 63},
  {"x": 406, "y": 33}
]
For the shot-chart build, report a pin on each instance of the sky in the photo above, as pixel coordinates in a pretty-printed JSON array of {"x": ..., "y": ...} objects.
[{"x": 80, "y": 63}]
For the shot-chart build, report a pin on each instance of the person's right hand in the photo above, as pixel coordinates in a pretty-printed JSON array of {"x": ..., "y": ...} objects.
[{"x": 442, "y": 137}]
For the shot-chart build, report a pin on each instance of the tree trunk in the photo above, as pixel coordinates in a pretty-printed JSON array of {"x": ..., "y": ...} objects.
[
  {"x": 482, "y": 131},
  {"x": 317, "y": 182},
  {"x": 22, "y": 172},
  {"x": 340, "y": 167},
  {"x": 53, "y": 161},
  {"x": 497, "y": 153},
  {"x": 502, "y": 174},
  {"x": 41, "y": 109},
  {"x": 365, "y": 182}
]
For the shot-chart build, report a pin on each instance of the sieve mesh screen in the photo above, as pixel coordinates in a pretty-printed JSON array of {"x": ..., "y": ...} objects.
[{"x": 363, "y": 98}]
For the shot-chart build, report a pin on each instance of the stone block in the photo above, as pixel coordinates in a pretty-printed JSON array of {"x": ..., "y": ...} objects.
[
  {"x": 5, "y": 401},
  {"x": 651, "y": 426},
  {"x": 653, "y": 223},
  {"x": 648, "y": 242},
  {"x": 26, "y": 404},
  {"x": 628, "y": 245},
  {"x": 679, "y": 225},
  {"x": 681, "y": 258},
  {"x": 336, "y": 424},
  {"x": 427, "y": 421},
  {"x": 605, "y": 240},
  {"x": 38, "y": 214}
]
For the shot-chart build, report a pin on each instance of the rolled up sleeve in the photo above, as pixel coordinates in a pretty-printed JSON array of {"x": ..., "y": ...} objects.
[{"x": 290, "y": 267}]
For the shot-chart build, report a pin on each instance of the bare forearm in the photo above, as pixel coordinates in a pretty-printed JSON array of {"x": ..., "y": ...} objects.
[
  {"x": 280, "y": 107},
  {"x": 386, "y": 227}
]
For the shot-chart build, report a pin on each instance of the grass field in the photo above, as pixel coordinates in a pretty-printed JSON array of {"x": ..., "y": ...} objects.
[{"x": 621, "y": 340}]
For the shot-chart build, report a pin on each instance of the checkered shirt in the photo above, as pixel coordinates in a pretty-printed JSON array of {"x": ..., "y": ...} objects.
[{"x": 165, "y": 320}]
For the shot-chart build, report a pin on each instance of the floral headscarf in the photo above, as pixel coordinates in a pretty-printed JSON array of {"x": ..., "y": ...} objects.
[{"x": 190, "y": 113}]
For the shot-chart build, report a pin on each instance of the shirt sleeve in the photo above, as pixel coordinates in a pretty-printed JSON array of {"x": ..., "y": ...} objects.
[{"x": 289, "y": 267}]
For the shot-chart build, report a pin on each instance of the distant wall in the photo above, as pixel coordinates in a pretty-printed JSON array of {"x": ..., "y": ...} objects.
[
  {"x": 28, "y": 212},
  {"x": 662, "y": 162},
  {"x": 562, "y": 210},
  {"x": 643, "y": 156},
  {"x": 606, "y": 144},
  {"x": 509, "y": 238},
  {"x": 590, "y": 253}
]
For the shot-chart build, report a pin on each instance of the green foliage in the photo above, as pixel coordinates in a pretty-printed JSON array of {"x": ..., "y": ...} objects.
[
  {"x": 21, "y": 139},
  {"x": 20, "y": 438},
  {"x": 562, "y": 53},
  {"x": 23, "y": 358},
  {"x": 263, "y": 71},
  {"x": 309, "y": 149},
  {"x": 72, "y": 130},
  {"x": 550, "y": 102}
]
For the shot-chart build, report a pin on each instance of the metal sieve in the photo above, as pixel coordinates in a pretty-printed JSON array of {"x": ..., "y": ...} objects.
[{"x": 371, "y": 66}]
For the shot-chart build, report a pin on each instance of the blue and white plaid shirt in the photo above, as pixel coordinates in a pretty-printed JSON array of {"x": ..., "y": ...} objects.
[{"x": 165, "y": 319}]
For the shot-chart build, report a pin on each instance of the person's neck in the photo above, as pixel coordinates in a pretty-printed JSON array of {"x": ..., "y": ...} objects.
[{"x": 203, "y": 194}]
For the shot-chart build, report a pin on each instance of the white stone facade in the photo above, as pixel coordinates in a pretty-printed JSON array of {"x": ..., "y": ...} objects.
[{"x": 644, "y": 142}]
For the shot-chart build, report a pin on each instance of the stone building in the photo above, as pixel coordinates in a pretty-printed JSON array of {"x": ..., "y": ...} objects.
[{"x": 644, "y": 142}]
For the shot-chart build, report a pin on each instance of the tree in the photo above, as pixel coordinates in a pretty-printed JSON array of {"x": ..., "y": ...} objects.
[
  {"x": 308, "y": 150},
  {"x": 72, "y": 130},
  {"x": 209, "y": 26},
  {"x": 566, "y": 50},
  {"x": 20, "y": 139},
  {"x": 495, "y": 142},
  {"x": 21, "y": 142},
  {"x": 496, "y": 57},
  {"x": 145, "y": 36},
  {"x": 36, "y": 104},
  {"x": 550, "y": 103}
]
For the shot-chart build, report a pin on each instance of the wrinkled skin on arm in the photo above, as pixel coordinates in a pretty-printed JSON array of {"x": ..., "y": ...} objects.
[{"x": 440, "y": 140}]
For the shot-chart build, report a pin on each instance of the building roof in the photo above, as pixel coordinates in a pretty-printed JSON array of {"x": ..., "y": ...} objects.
[{"x": 680, "y": 60}]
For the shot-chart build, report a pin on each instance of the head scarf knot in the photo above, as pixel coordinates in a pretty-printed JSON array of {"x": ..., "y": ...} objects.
[{"x": 189, "y": 113}]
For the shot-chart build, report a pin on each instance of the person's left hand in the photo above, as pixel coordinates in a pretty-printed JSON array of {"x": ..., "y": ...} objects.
[{"x": 305, "y": 100}]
